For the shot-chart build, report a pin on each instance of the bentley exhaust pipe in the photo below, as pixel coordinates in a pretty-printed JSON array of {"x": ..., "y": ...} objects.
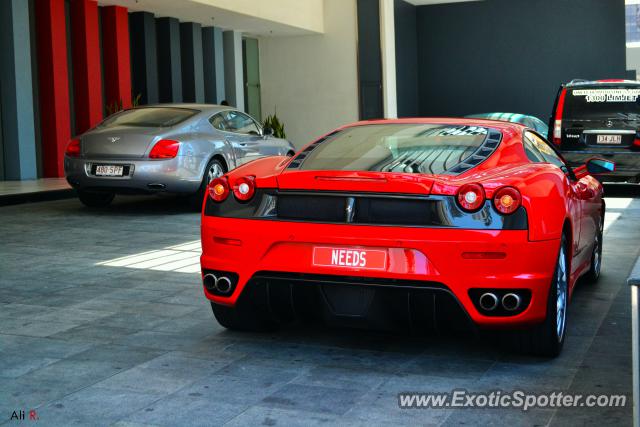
[
  {"x": 511, "y": 302},
  {"x": 223, "y": 284},
  {"x": 488, "y": 301}
]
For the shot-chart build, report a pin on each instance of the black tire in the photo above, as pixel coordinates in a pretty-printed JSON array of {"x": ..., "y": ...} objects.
[
  {"x": 198, "y": 197},
  {"x": 96, "y": 199},
  {"x": 593, "y": 274},
  {"x": 239, "y": 319},
  {"x": 547, "y": 338}
]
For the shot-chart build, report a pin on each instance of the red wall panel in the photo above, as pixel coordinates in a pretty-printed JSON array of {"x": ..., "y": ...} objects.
[
  {"x": 87, "y": 71},
  {"x": 53, "y": 80},
  {"x": 115, "y": 52}
]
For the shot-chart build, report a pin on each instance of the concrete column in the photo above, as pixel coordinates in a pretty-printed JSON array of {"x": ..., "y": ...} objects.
[
  {"x": 233, "y": 73},
  {"x": 116, "y": 55},
  {"x": 388, "y": 49},
  {"x": 192, "y": 68},
  {"x": 144, "y": 59},
  {"x": 18, "y": 135},
  {"x": 213, "y": 61},
  {"x": 53, "y": 88},
  {"x": 169, "y": 60},
  {"x": 87, "y": 71}
]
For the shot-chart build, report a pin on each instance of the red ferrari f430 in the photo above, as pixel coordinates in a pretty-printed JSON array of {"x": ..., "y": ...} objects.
[{"x": 411, "y": 223}]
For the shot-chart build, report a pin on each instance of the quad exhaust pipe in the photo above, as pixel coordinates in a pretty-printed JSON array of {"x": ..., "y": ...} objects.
[
  {"x": 509, "y": 302},
  {"x": 488, "y": 301},
  {"x": 221, "y": 284}
]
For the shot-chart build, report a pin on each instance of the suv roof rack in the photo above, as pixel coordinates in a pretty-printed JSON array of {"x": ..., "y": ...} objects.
[{"x": 580, "y": 82}]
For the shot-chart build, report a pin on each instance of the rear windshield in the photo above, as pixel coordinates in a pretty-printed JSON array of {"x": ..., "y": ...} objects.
[
  {"x": 412, "y": 148},
  {"x": 601, "y": 103},
  {"x": 150, "y": 117}
]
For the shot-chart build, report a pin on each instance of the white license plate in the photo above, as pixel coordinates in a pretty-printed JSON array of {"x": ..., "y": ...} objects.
[
  {"x": 109, "y": 170},
  {"x": 609, "y": 139}
]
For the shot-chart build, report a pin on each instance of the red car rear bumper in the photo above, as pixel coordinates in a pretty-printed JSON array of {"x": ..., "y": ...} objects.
[{"x": 455, "y": 258}]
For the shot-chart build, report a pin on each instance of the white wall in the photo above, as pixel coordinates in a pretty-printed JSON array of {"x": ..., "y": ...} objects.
[
  {"x": 633, "y": 58},
  {"x": 312, "y": 80},
  {"x": 252, "y": 16}
]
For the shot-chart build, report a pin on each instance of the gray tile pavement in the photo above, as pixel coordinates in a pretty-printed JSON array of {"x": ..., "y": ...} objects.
[{"x": 89, "y": 344}]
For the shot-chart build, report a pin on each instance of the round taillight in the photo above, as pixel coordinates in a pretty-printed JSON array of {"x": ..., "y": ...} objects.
[
  {"x": 471, "y": 197},
  {"x": 73, "y": 149},
  {"x": 244, "y": 188},
  {"x": 507, "y": 200},
  {"x": 219, "y": 189}
]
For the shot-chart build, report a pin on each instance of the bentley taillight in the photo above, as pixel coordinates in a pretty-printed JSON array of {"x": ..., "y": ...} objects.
[
  {"x": 165, "y": 149},
  {"x": 471, "y": 197},
  {"x": 507, "y": 200},
  {"x": 73, "y": 149}
]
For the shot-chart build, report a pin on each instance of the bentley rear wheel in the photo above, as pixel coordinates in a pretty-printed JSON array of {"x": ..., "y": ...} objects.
[
  {"x": 95, "y": 199},
  {"x": 214, "y": 169}
]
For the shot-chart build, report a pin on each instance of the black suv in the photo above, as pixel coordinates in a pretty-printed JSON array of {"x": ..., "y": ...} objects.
[{"x": 599, "y": 119}]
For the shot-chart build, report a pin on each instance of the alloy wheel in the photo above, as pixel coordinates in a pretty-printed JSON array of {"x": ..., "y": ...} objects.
[
  {"x": 215, "y": 171},
  {"x": 597, "y": 256},
  {"x": 561, "y": 293}
]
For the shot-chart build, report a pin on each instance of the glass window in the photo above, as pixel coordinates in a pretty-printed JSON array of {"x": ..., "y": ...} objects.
[
  {"x": 150, "y": 117},
  {"x": 531, "y": 151},
  {"x": 408, "y": 148},
  {"x": 218, "y": 122},
  {"x": 241, "y": 123},
  {"x": 599, "y": 103},
  {"x": 632, "y": 22},
  {"x": 544, "y": 150}
]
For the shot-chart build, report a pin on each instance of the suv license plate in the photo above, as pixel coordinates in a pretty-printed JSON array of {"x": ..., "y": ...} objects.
[
  {"x": 609, "y": 139},
  {"x": 109, "y": 170}
]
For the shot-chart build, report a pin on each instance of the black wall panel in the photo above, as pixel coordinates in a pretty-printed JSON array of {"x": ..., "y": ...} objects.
[
  {"x": 511, "y": 55},
  {"x": 144, "y": 60},
  {"x": 369, "y": 60},
  {"x": 169, "y": 60},
  {"x": 406, "y": 58},
  {"x": 192, "y": 68}
]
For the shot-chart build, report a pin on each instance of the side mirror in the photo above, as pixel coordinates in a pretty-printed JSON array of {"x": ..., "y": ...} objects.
[
  {"x": 600, "y": 166},
  {"x": 267, "y": 131},
  {"x": 594, "y": 167}
]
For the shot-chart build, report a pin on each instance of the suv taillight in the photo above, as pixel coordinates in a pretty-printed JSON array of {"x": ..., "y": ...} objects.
[{"x": 557, "y": 123}]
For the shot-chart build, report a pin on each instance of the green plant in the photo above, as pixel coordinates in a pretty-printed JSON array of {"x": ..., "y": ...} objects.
[
  {"x": 272, "y": 121},
  {"x": 118, "y": 105}
]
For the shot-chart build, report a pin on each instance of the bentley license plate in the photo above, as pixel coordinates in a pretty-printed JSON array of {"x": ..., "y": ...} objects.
[{"x": 109, "y": 170}]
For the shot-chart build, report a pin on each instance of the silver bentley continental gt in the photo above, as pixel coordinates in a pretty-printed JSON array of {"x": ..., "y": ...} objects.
[{"x": 173, "y": 148}]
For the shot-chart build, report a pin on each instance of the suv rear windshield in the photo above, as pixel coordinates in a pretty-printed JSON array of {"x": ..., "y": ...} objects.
[
  {"x": 609, "y": 102},
  {"x": 412, "y": 148},
  {"x": 150, "y": 117}
]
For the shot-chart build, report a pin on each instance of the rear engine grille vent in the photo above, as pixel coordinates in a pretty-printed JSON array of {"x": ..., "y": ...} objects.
[
  {"x": 482, "y": 153},
  {"x": 381, "y": 210}
]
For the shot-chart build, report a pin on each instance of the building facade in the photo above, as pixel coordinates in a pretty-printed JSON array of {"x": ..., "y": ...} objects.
[{"x": 317, "y": 64}]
